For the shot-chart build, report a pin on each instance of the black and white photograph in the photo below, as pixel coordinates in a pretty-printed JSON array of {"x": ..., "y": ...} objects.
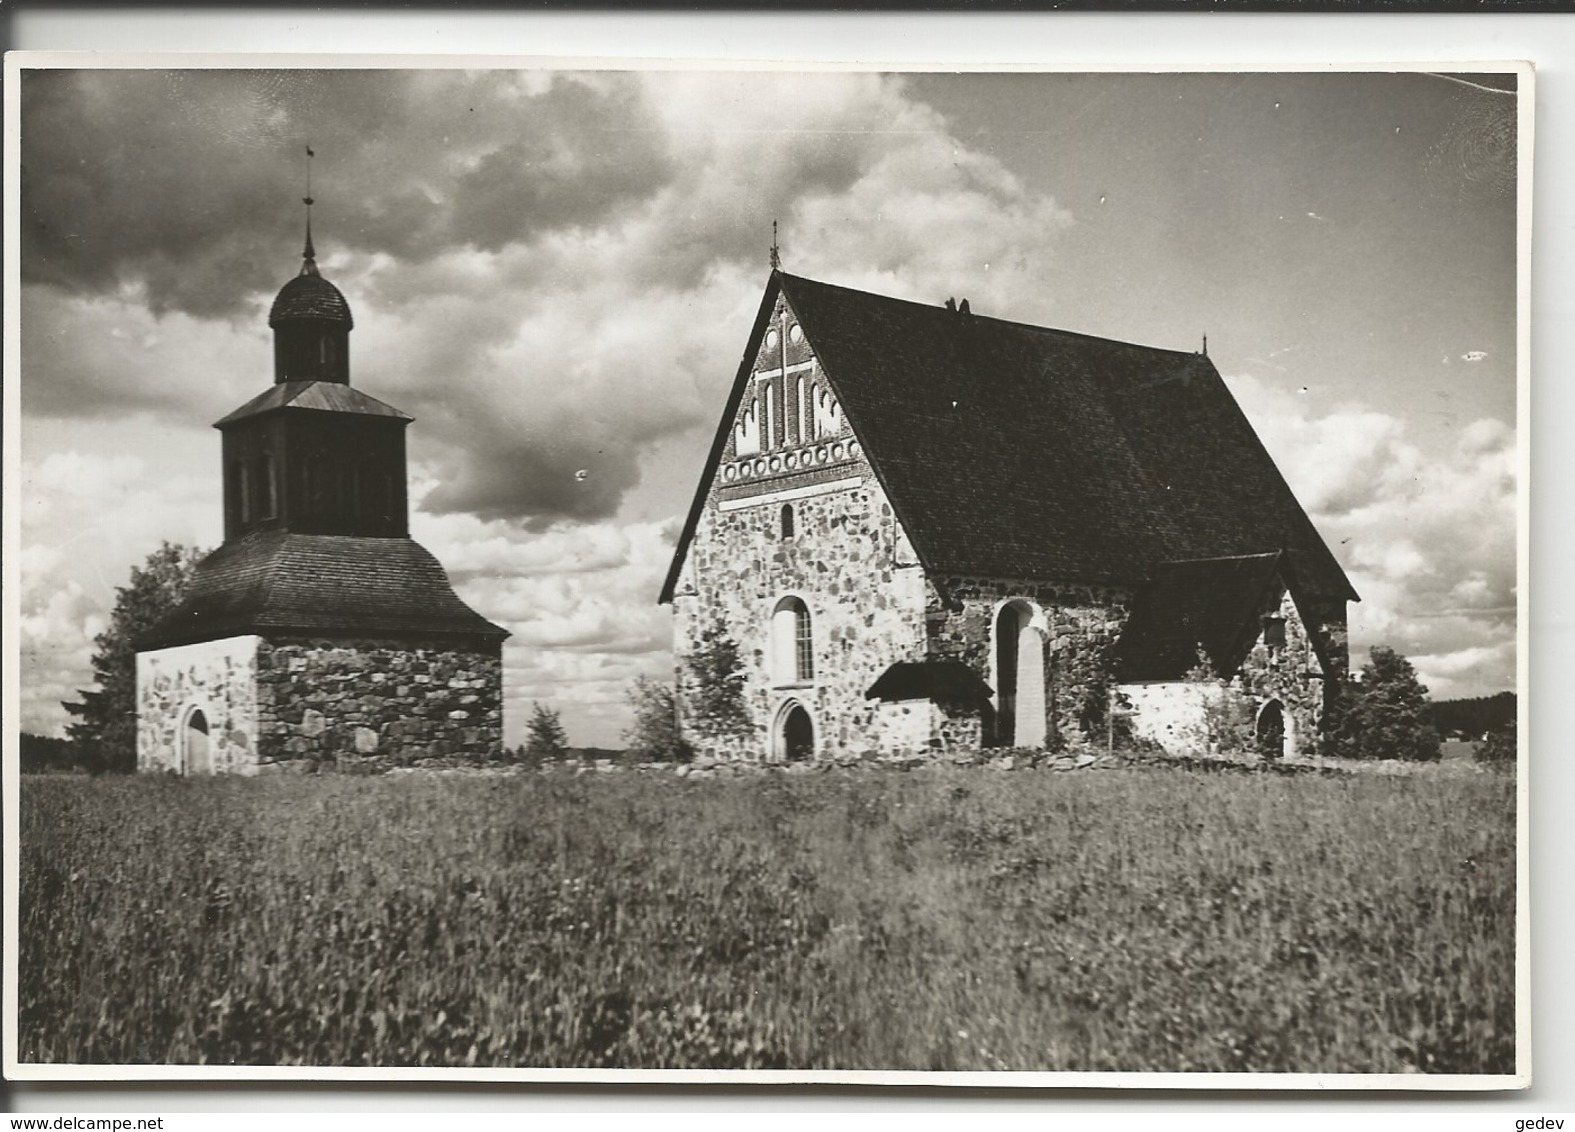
[{"x": 802, "y": 574}]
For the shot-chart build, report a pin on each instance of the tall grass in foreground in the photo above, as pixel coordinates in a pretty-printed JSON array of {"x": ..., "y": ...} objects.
[{"x": 941, "y": 919}]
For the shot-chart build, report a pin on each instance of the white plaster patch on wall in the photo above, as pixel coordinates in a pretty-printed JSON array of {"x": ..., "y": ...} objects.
[
  {"x": 1171, "y": 713},
  {"x": 197, "y": 707},
  {"x": 905, "y": 727}
]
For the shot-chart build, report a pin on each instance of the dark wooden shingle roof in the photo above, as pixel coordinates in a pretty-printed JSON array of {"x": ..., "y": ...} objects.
[
  {"x": 276, "y": 583},
  {"x": 1016, "y": 451},
  {"x": 944, "y": 681},
  {"x": 311, "y": 296}
]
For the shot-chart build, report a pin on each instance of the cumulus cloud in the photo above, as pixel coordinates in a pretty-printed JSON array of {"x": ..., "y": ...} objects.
[
  {"x": 580, "y": 601},
  {"x": 553, "y": 272},
  {"x": 87, "y": 517},
  {"x": 1429, "y": 541}
]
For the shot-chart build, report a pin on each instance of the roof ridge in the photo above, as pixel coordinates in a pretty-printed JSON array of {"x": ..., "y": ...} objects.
[
  {"x": 1034, "y": 326},
  {"x": 1221, "y": 558}
]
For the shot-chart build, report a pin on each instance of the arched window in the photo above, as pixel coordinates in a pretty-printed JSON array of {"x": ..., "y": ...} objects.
[
  {"x": 267, "y": 489},
  {"x": 792, "y": 642},
  {"x": 243, "y": 491},
  {"x": 235, "y": 487},
  {"x": 787, "y": 520}
]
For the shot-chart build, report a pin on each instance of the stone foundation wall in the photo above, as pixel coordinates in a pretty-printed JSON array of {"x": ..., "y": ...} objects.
[
  {"x": 216, "y": 678},
  {"x": 377, "y": 703},
  {"x": 1080, "y": 624}
]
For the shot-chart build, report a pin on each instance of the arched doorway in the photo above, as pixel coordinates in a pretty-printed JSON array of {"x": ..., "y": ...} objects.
[
  {"x": 1019, "y": 677},
  {"x": 195, "y": 755},
  {"x": 1270, "y": 732},
  {"x": 795, "y": 733}
]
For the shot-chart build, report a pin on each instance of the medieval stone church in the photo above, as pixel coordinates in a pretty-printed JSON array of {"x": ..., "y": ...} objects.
[
  {"x": 929, "y": 529},
  {"x": 319, "y": 633}
]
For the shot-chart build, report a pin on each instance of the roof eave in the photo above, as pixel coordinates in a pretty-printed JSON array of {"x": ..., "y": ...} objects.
[{"x": 719, "y": 442}]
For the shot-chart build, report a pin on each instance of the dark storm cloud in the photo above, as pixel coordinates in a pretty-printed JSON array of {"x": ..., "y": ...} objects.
[
  {"x": 537, "y": 480},
  {"x": 187, "y": 183}
]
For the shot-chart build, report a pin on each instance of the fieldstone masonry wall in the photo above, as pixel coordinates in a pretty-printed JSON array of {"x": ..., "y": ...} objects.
[
  {"x": 1172, "y": 714},
  {"x": 1081, "y": 623},
  {"x": 216, "y": 678},
  {"x": 1291, "y": 673},
  {"x": 846, "y": 561},
  {"x": 378, "y": 703}
]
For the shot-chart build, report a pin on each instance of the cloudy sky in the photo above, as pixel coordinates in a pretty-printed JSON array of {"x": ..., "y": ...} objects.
[{"x": 555, "y": 272}]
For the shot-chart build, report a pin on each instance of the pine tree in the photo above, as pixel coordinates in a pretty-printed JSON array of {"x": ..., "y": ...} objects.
[
  {"x": 1384, "y": 715},
  {"x": 105, "y": 729},
  {"x": 544, "y": 734}
]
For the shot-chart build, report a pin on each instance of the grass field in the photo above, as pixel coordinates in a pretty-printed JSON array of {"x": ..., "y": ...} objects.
[{"x": 1136, "y": 919}]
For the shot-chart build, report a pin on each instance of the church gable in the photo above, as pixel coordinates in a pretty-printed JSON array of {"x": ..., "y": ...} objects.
[{"x": 789, "y": 438}]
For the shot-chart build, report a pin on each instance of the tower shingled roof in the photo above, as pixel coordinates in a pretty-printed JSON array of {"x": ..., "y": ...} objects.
[{"x": 310, "y": 296}]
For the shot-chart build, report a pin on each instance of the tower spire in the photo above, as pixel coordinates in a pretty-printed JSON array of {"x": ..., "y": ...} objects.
[
  {"x": 776, "y": 253},
  {"x": 309, "y": 254}
]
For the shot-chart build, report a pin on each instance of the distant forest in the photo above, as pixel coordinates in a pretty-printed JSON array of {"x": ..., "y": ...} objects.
[{"x": 1473, "y": 718}]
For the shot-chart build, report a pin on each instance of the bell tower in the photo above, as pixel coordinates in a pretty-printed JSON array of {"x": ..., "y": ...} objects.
[
  {"x": 320, "y": 633},
  {"x": 312, "y": 455}
]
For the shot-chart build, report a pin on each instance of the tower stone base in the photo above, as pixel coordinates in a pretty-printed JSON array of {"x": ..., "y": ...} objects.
[{"x": 247, "y": 704}]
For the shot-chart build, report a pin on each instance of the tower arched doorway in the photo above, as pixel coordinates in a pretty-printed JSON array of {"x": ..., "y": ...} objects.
[
  {"x": 793, "y": 739},
  {"x": 1019, "y": 677},
  {"x": 1270, "y": 730},
  {"x": 196, "y": 754}
]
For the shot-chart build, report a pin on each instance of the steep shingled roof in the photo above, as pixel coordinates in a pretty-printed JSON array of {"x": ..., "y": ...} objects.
[
  {"x": 273, "y": 582},
  {"x": 1016, "y": 451},
  {"x": 1212, "y": 603}
]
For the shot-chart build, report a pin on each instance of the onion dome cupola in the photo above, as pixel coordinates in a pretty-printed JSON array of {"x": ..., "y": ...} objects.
[{"x": 311, "y": 325}]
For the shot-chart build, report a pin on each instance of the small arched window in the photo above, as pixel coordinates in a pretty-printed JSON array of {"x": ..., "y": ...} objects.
[
  {"x": 235, "y": 488},
  {"x": 787, "y": 520},
  {"x": 792, "y": 642},
  {"x": 243, "y": 491},
  {"x": 267, "y": 488}
]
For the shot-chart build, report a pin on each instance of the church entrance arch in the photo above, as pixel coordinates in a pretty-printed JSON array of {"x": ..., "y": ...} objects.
[
  {"x": 1019, "y": 675},
  {"x": 793, "y": 737},
  {"x": 1271, "y": 731},
  {"x": 196, "y": 756}
]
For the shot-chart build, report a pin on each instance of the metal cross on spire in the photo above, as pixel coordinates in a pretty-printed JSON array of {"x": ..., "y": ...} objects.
[
  {"x": 309, "y": 267},
  {"x": 776, "y": 253}
]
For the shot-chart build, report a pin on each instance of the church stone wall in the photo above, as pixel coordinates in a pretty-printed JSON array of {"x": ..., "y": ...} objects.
[
  {"x": 217, "y": 679},
  {"x": 376, "y": 704},
  {"x": 1292, "y": 674},
  {"x": 849, "y": 563},
  {"x": 1079, "y": 625},
  {"x": 1173, "y": 713}
]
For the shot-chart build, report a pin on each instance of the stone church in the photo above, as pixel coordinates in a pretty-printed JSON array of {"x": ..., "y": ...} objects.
[
  {"x": 319, "y": 633},
  {"x": 929, "y": 529}
]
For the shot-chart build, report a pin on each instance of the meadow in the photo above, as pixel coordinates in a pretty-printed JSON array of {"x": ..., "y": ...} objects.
[{"x": 1145, "y": 918}]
